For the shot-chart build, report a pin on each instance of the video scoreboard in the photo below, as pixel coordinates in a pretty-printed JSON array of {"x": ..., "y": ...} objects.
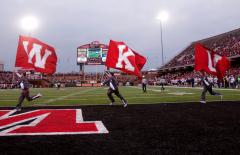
[{"x": 92, "y": 54}]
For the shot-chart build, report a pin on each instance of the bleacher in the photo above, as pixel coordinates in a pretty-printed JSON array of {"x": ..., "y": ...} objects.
[{"x": 227, "y": 44}]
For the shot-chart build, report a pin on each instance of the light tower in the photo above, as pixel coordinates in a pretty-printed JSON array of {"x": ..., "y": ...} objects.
[
  {"x": 162, "y": 17},
  {"x": 29, "y": 24}
]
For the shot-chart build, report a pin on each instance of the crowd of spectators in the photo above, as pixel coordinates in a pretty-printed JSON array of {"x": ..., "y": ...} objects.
[
  {"x": 191, "y": 78},
  {"x": 177, "y": 78},
  {"x": 6, "y": 79},
  {"x": 9, "y": 79},
  {"x": 227, "y": 44},
  {"x": 74, "y": 79}
]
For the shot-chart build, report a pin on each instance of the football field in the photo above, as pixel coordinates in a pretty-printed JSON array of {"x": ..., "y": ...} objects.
[
  {"x": 179, "y": 124},
  {"x": 97, "y": 96}
]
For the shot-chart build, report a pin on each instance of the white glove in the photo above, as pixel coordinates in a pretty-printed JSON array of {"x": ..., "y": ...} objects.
[{"x": 22, "y": 85}]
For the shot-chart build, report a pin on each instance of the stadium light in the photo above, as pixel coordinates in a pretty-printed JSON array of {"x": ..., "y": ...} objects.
[
  {"x": 162, "y": 17},
  {"x": 29, "y": 23}
]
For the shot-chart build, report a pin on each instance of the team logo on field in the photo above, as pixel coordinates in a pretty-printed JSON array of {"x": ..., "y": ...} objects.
[{"x": 48, "y": 122}]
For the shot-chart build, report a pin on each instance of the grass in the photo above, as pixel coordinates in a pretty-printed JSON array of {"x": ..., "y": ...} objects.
[{"x": 96, "y": 96}]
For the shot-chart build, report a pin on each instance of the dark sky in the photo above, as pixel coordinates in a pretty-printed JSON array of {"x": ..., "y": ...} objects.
[{"x": 67, "y": 24}]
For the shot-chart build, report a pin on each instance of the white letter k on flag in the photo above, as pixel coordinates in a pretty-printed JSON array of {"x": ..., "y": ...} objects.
[{"x": 124, "y": 57}]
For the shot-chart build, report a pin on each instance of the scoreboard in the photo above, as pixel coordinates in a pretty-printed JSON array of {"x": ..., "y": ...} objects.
[{"x": 92, "y": 54}]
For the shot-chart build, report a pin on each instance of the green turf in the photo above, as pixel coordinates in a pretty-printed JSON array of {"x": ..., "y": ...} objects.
[{"x": 94, "y": 96}]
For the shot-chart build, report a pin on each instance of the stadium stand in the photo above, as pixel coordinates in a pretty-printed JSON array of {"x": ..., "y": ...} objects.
[
  {"x": 180, "y": 69},
  {"x": 8, "y": 79},
  {"x": 227, "y": 44},
  {"x": 176, "y": 77}
]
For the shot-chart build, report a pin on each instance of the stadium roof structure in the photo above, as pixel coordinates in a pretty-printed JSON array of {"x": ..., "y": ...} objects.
[
  {"x": 152, "y": 70},
  {"x": 227, "y": 44}
]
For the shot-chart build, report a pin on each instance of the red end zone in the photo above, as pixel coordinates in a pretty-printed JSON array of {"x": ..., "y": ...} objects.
[{"x": 48, "y": 122}]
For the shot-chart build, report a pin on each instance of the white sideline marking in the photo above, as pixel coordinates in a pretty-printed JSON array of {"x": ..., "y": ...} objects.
[
  {"x": 156, "y": 90},
  {"x": 227, "y": 89},
  {"x": 193, "y": 101},
  {"x": 180, "y": 93},
  {"x": 200, "y": 88},
  {"x": 104, "y": 98}
]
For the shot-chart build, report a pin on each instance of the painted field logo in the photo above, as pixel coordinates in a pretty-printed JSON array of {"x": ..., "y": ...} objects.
[{"x": 48, "y": 122}]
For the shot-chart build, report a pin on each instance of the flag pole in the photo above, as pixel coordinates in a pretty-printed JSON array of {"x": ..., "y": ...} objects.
[
  {"x": 96, "y": 72},
  {"x": 84, "y": 72},
  {"x": 103, "y": 73},
  {"x": 13, "y": 77}
]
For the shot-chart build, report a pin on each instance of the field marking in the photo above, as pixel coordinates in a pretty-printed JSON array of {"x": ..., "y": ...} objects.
[
  {"x": 72, "y": 96},
  {"x": 194, "y": 88},
  {"x": 227, "y": 89},
  {"x": 134, "y": 103},
  {"x": 156, "y": 90},
  {"x": 105, "y": 98},
  {"x": 182, "y": 102},
  {"x": 126, "y": 98},
  {"x": 66, "y": 96},
  {"x": 41, "y": 131},
  {"x": 129, "y": 103},
  {"x": 180, "y": 93}
]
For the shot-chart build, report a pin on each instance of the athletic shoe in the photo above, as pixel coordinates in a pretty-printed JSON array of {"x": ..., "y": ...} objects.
[
  {"x": 39, "y": 95},
  {"x": 111, "y": 103},
  {"x": 124, "y": 104},
  {"x": 18, "y": 109},
  {"x": 203, "y": 102}
]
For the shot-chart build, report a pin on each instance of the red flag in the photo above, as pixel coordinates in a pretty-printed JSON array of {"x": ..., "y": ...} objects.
[
  {"x": 121, "y": 57},
  {"x": 36, "y": 55},
  {"x": 210, "y": 62}
]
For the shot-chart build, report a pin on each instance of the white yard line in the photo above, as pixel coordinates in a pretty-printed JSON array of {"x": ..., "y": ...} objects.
[
  {"x": 197, "y": 102},
  {"x": 200, "y": 88},
  {"x": 70, "y": 95},
  {"x": 227, "y": 89},
  {"x": 156, "y": 90},
  {"x": 104, "y": 98}
]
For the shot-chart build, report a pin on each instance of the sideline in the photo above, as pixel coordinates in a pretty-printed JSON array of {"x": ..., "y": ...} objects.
[
  {"x": 117, "y": 104},
  {"x": 227, "y": 89}
]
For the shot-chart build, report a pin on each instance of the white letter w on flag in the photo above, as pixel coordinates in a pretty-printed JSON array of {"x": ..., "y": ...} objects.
[{"x": 36, "y": 50}]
